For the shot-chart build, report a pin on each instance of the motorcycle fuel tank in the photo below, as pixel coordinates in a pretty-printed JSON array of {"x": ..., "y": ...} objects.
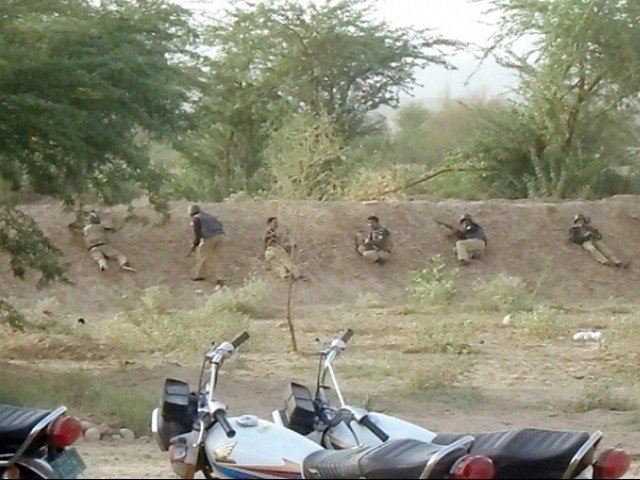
[
  {"x": 342, "y": 437},
  {"x": 259, "y": 449}
]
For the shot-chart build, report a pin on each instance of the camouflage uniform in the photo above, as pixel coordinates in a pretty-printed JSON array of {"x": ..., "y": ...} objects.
[
  {"x": 277, "y": 252},
  {"x": 376, "y": 246},
  {"x": 95, "y": 240}
]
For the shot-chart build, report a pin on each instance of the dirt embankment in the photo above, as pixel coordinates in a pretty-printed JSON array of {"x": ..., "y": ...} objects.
[{"x": 526, "y": 239}]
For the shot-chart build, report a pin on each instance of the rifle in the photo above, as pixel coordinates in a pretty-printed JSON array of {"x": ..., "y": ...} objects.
[
  {"x": 455, "y": 231},
  {"x": 191, "y": 250}
]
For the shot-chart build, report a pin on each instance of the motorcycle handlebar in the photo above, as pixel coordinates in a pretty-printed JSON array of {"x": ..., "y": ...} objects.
[
  {"x": 373, "y": 428},
  {"x": 346, "y": 335},
  {"x": 240, "y": 339},
  {"x": 221, "y": 418}
]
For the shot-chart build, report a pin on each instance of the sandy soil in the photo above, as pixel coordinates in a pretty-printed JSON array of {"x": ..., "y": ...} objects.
[{"x": 524, "y": 386}]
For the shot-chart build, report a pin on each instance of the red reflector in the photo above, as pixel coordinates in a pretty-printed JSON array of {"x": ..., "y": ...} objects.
[
  {"x": 473, "y": 466},
  {"x": 64, "y": 431},
  {"x": 612, "y": 463}
]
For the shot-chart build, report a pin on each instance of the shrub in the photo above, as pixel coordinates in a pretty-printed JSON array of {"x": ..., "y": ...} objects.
[
  {"x": 503, "y": 293},
  {"x": 11, "y": 317},
  {"x": 369, "y": 300},
  {"x": 152, "y": 326},
  {"x": 433, "y": 285},
  {"x": 542, "y": 323},
  {"x": 601, "y": 394}
]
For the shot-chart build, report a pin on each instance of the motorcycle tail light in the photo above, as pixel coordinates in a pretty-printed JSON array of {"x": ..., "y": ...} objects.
[
  {"x": 473, "y": 466},
  {"x": 64, "y": 431},
  {"x": 12, "y": 472},
  {"x": 612, "y": 463}
]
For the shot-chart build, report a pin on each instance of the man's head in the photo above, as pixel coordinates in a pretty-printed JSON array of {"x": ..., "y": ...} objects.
[
  {"x": 466, "y": 218},
  {"x": 373, "y": 221},
  {"x": 194, "y": 210},
  {"x": 94, "y": 218},
  {"x": 581, "y": 219},
  {"x": 272, "y": 222}
]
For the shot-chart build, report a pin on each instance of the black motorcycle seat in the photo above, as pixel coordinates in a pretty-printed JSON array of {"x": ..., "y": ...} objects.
[
  {"x": 525, "y": 453},
  {"x": 403, "y": 458},
  {"x": 15, "y": 425}
]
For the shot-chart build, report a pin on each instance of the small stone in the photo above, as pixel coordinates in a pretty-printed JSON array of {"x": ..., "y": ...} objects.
[
  {"x": 127, "y": 435},
  {"x": 86, "y": 425},
  {"x": 92, "y": 435},
  {"x": 144, "y": 439},
  {"x": 102, "y": 428},
  {"x": 116, "y": 438},
  {"x": 506, "y": 320}
]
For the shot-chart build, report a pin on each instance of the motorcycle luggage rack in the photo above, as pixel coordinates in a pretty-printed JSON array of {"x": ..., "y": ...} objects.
[
  {"x": 33, "y": 434},
  {"x": 465, "y": 442},
  {"x": 577, "y": 458}
]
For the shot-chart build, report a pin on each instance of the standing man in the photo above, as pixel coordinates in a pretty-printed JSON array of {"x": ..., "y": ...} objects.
[
  {"x": 376, "y": 246},
  {"x": 472, "y": 240},
  {"x": 277, "y": 252},
  {"x": 208, "y": 241},
  {"x": 587, "y": 235},
  {"x": 95, "y": 239}
]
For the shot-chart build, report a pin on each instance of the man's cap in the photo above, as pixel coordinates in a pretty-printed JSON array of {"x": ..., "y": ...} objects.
[
  {"x": 94, "y": 217},
  {"x": 193, "y": 209},
  {"x": 581, "y": 217},
  {"x": 466, "y": 216},
  {"x": 270, "y": 219},
  {"x": 374, "y": 218}
]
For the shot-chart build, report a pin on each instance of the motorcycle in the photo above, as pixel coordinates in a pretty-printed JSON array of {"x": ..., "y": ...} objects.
[
  {"x": 521, "y": 453},
  {"x": 198, "y": 436},
  {"x": 37, "y": 443}
]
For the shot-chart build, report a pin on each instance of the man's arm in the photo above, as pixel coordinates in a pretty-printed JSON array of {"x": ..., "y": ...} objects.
[
  {"x": 453, "y": 230},
  {"x": 197, "y": 231}
]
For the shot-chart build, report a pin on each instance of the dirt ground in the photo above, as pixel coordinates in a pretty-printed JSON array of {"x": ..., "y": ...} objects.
[{"x": 514, "y": 381}]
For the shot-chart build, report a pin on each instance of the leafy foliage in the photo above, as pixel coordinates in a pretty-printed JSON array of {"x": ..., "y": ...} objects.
[
  {"x": 304, "y": 157},
  {"x": 433, "y": 285},
  {"x": 579, "y": 86},
  {"x": 82, "y": 89},
  {"x": 279, "y": 58},
  {"x": 28, "y": 246}
]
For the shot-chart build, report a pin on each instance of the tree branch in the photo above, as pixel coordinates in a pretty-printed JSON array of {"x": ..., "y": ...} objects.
[{"x": 434, "y": 175}]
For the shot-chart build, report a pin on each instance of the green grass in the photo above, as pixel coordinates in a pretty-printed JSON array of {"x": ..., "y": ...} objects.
[{"x": 84, "y": 396}]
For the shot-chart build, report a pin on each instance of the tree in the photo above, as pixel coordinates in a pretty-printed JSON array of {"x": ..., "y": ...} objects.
[
  {"x": 578, "y": 63},
  {"x": 80, "y": 86},
  {"x": 278, "y": 58}
]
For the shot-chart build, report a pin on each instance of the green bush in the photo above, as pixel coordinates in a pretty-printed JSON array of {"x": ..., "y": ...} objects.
[
  {"x": 542, "y": 323},
  {"x": 434, "y": 285},
  {"x": 185, "y": 333}
]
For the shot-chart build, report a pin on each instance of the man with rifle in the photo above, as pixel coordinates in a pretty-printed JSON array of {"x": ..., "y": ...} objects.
[
  {"x": 376, "y": 246},
  {"x": 471, "y": 239},
  {"x": 589, "y": 237},
  {"x": 208, "y": 241}
]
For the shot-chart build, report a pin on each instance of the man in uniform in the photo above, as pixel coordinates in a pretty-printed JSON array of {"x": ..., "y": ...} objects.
[
  {"x": 471, "y": 239},
  {"x": 277, "y": 252},
  {"x": 376, "y": 246},
  {"x": 208, "y": 242},
  {"x": 95, "y": 239},
  {"x": 585, "y": 234}
]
